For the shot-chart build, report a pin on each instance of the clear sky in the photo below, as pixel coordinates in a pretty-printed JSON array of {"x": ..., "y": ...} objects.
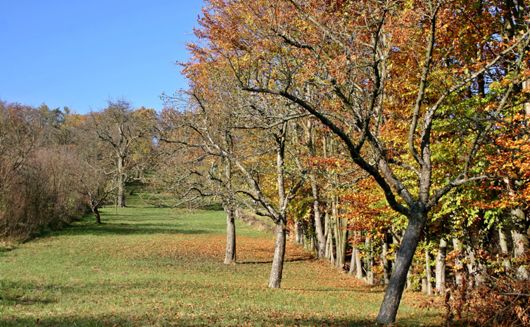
[{"x": 81, "y": 53}]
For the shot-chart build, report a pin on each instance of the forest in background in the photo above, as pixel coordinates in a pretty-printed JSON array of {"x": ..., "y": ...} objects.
[{"x": 390, "y": 138}]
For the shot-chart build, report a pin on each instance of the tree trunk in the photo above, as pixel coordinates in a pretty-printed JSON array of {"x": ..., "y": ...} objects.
[
  {"x": 279, "y": 256},
  {"x": 97, "y": 214},
  {"x": 424, "y": 285},
  {"x": 505, "y": 252},
  {"x": 358, "y": 264},
  {"x": 329, "y": 238},
  {"x": 121, "y": 183},
  {"x": 459, "y": 266},
  {"x": 319, "y": 230},
  {"x": 408, "y": 284},
  {"x": 520, "y": 241},
  {"x": 394, "y": 291},
  {"x": 428, "y": 273},
  {"x": 230, "y": 209},
  {"x": 440, "y": 267},
  {"x": 299, "y": 232},
  {"x": 340, "y": 236},
  {"x": 331, "y": 249},
  {"x": 230, "y": 254},
  {"x": 369, "y": 260},
  {"x": 471, "y": 265},
  {"x": 386, "y": 263},
  {"x": 526, "y": 85},
  {"x": 352, "y": 260}
]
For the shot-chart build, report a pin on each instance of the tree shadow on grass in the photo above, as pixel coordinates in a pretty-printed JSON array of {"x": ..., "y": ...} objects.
[
  {"x": 115, "y": 320},
  {"x": 19, "y": 293},
  {"x": 129, "y": 229},
  {"x": 257, "y": 262},
  {"x": 327, "y": 289}
]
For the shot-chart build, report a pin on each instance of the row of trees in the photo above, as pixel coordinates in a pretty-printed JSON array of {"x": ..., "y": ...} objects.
[
  {"x": 390, "y": 137},
  {"x": 55, "y": 165}
]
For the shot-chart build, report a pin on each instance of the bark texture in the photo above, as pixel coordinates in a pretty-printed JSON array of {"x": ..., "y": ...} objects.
[
  {"x": 121, "y": 183},
  {"x": 440, "y": 267},
  {"x": 230, "y": 254},
  {"x": 505, "y": 252},
  {"x": 428, "y": 272},
  {"x": 319, "y": 230},
  {"x": 388, "y": 311},
  {"x": 459, "y": 266},
  {"x": 279, "y": 256},
  {"x": 97, "y": 214}
]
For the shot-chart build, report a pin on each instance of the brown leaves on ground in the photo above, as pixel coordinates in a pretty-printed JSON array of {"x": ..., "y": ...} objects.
[{"x": 207, "y": 247}]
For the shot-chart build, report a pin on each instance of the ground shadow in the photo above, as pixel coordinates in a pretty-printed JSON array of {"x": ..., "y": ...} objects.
[
  {"x": 128, "y": 229},
  {"x": 114, "y": 320},
  {"x": 16, "y": 293},
  {"x": 257, "y": 262}
]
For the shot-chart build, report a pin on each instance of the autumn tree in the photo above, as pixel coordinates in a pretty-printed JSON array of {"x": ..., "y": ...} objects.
[
  {"x": 193, "y": 171},
  {"x": 250, "y": 133},
  {"x": 377, "y": 73}
]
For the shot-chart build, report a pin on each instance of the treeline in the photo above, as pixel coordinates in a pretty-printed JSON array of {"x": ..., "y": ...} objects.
[
  {"x": 34, "y": 192},
  {"x": 55, "y": 166},
  {"x": 389, "y": 137}
]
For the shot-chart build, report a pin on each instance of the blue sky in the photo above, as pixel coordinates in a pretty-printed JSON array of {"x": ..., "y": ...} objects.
[{"x": 80, "y": 53}]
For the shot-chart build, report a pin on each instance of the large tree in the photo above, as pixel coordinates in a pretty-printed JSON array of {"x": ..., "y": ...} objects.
[{"x": 386, "y": 77}]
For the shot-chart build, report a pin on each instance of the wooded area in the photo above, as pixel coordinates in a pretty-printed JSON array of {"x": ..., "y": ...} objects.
[{"x": 390, "y": 138}]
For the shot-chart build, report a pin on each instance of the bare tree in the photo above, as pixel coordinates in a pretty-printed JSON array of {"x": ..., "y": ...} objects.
[{"x": 120, "y": 127}]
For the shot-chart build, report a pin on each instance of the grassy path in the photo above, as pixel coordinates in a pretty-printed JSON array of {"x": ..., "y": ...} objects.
[{"x": 163, "y": 267}]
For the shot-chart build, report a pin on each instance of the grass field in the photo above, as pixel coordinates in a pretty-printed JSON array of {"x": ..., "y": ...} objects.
[{"x": 163, "y": 267}]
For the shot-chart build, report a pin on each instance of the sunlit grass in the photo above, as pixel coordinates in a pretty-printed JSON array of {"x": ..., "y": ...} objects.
[{"x": 163, "y": 267}]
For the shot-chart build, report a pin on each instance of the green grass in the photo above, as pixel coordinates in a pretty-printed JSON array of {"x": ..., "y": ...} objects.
[{"x": 163, "y": 267}]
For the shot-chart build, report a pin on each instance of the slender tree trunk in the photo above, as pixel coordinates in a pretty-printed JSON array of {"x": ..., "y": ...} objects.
[
  {"x": 351, "y": 271},
  {"x": 409, "y": 280},
  {"x": 309, "y": 243},
  {"x": 440, "y": 267},
  {"x": 428, "y": 272},
  {"x": 329, "y": 238},
  {"x": 394, "y": 291},
  {"x": 230, "y": 254},
  {"x": 503, "y": 243},
  {"x": 369, "y": 260},
  {"x": 358, "y": 264},
  {"x": 331, "y": 249},
  {"x": 279, "y": 256},
  {"x": 96, "y": 212},
  {"x": 424, "y": 284},
  {"x": 459, "y": 266},
  {"x": 230, "y": 208},
  {"x": 299, "y": 232},
  {"x": 386, "y": 263},
  {"x": 471, "y": 267},
  {"x": 520, "y": 242},
  {"x": 121, "y": 183},
  {"x": 526, "y": 85},
  {"x": 319, "y": 230},
  {"x": 341, "y": 248},
  {"x": 340, "y": 235}
]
